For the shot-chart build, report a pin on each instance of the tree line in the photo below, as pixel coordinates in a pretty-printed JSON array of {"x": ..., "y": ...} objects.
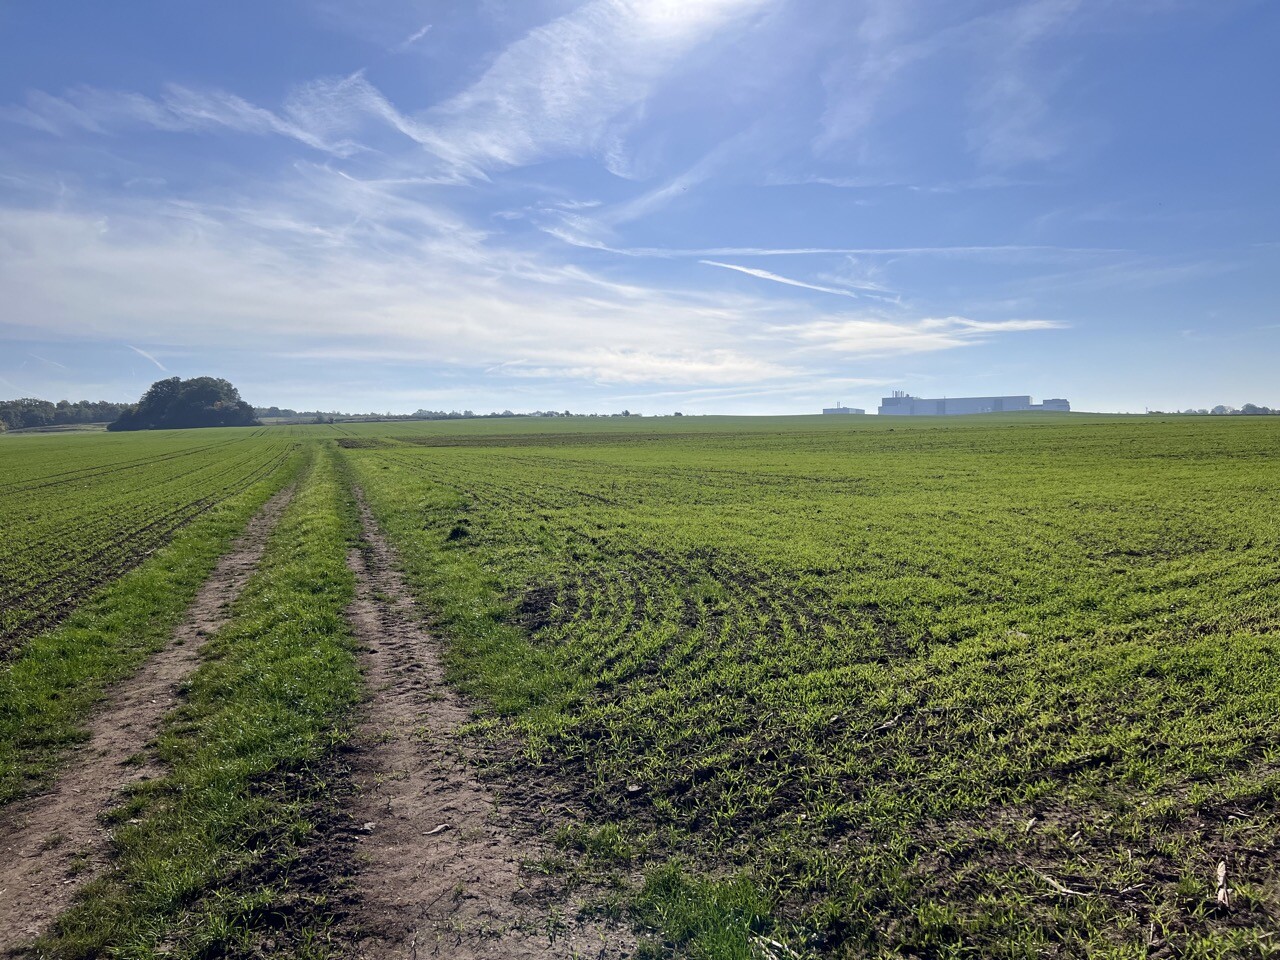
[
  {"x": 210, "y": 402},
  {"x": 330, "y": 416},
  {"x": 28, "y": 412}
]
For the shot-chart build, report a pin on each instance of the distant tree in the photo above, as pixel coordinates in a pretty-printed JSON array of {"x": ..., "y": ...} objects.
[
  {"x": 176, "y": 404},
  {"x": 1222, "y": 410}
]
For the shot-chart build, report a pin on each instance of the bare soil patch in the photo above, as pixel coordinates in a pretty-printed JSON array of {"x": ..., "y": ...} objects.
[
  {"x": 53, "y": 843},
  {"x": 440, "y": 868}
]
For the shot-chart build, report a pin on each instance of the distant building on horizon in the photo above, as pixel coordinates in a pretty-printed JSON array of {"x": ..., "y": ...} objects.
[
  {"x": 841, "y": 409},
  {"x": 902, "y": 404}
]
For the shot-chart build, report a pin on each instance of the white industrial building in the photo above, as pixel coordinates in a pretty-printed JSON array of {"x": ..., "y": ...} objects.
[
  {"x": 841, "y": 409},
  {"x": 902, "y": 404}
]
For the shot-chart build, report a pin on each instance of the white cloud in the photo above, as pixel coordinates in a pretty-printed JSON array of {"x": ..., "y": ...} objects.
[
  {"x": 877, "y": 337},
  {"x": 87, "y": 278},
  {"x": 433, "y": 294}
]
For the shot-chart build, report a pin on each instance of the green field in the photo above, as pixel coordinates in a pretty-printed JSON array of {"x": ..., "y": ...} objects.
[
  {"x": 77, "y": 511},
  {"x": 991, "y": 686}
]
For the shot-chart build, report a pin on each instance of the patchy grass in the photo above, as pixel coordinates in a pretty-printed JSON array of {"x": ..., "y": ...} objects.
[
  {"x": 209, "y": 859},
  {"x": 1005, "y": 687},
  {"x": 703, "y": 919}
]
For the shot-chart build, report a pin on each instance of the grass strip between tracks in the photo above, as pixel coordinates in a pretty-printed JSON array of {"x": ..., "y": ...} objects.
[
  {"x": 204, "y": 857},
  {"x": 56, "y": 679}
]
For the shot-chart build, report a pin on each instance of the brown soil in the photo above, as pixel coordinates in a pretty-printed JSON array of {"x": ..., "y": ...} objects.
[
  {"x": 51, "y": 844},
  {"x": 440, "y": 871}
]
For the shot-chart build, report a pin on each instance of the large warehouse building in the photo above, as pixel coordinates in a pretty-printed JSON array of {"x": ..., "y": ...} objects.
[{"x": 902, "y": 404}]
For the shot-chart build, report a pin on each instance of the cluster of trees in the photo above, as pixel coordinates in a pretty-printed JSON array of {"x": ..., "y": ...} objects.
[
  {"x": 1223, "y": 410},
  {"x": 176, "y": 404},
  {"x": 29, "y": 412},
  {"x": 1248, "y": 410}
]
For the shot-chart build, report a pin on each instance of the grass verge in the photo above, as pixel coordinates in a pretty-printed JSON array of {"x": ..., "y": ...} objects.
[
  {"x": 206, "y": 857},
  {"x": 53, "y": 683}
]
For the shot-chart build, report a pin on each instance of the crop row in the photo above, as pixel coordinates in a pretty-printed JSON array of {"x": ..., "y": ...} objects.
[{"x": 73, "y": 529}]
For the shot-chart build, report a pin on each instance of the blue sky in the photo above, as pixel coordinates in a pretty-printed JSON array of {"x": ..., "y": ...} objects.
[{"x": 735, "y": 206}]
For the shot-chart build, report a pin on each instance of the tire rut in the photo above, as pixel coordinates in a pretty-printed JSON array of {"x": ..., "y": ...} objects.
[
  {"x": 53, "y": 843},
  {"x": 439, "y": 868}
]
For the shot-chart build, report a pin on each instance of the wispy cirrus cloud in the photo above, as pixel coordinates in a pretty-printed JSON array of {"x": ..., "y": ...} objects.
[
  {"x": 1011, "y": 116},
  {"x": 147, "y": 356},
  {"x": 47, "y": 362},
  {"x": 860, "y": 78},
  {"x": 776, "y": 278},
  {"x": 413, "y": 38},
  {"x": 178, "y": 109},
  {"x": 559, "y": 90},
  {"x": 1005, "y": 88},
  {"x": 996, "y": 251}
]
